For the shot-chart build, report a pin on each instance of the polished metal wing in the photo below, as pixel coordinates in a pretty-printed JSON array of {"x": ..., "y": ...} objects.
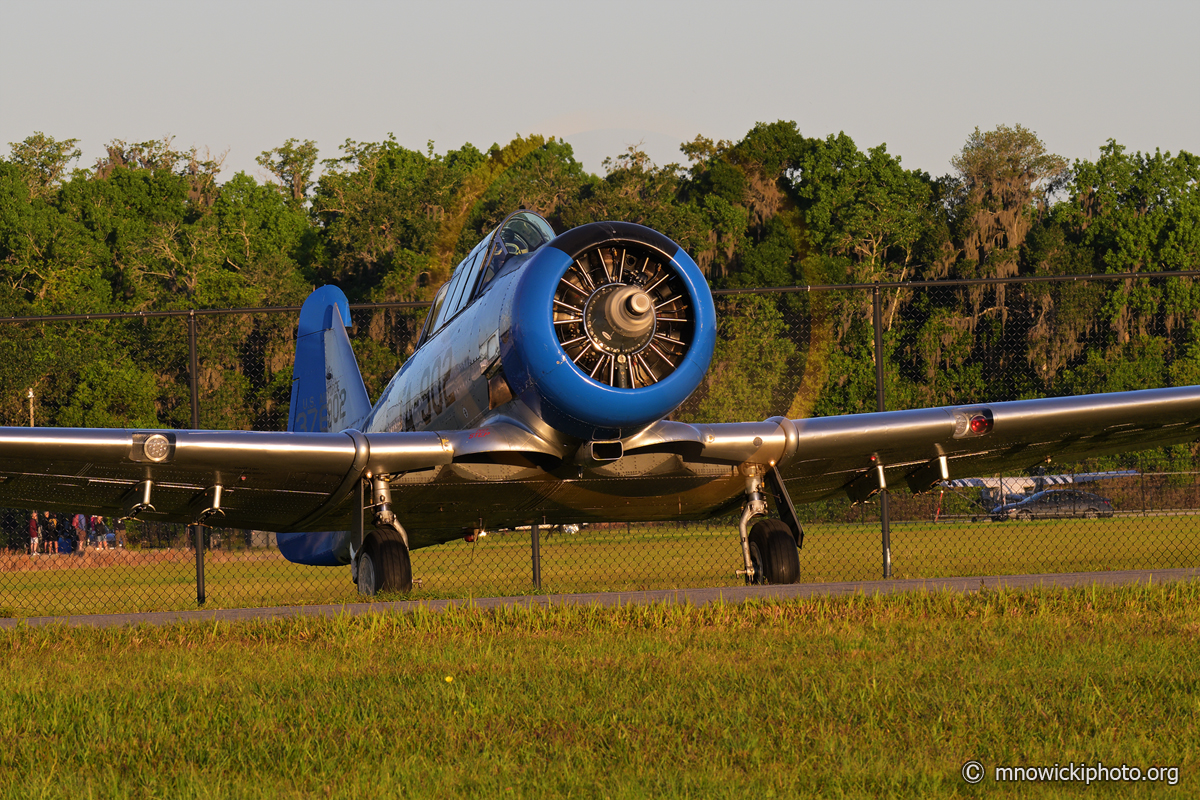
[
  {"x": 921, "y": 447},
  {"x": 267, "y": 481}
]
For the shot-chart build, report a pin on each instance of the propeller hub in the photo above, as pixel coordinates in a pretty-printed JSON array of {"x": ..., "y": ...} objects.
[
  {"x": 623, "y": 315},
  {"x": 619, "y": 319},
  {"x": 630, "y": 311}
]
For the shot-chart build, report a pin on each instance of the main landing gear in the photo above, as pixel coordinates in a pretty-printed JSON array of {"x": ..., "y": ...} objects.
[
  {"x": 770, "y": 549},
  {"x": 383, "y": 566},
  {"x": 379, "y": 560}
]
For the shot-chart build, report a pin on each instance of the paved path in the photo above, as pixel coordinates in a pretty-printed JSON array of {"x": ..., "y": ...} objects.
[{"x": 693, "y": 596}]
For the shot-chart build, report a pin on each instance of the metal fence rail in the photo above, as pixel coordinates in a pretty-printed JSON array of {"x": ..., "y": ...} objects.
[{"x": 797, "y": 351}]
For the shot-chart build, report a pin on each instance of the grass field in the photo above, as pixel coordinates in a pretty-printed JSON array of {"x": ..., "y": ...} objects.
[
  {"x": 596, "y": 559},
  {"x": 830, "y": 697}
]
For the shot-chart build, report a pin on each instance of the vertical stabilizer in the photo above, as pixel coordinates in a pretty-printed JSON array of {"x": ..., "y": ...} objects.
[{"x": 327, "y": 389}]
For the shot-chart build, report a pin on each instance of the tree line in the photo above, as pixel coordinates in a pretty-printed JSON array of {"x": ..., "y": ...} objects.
[{"x": 151, "y": 227}]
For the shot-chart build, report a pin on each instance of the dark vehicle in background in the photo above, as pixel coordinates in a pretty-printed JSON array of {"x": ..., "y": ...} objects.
[{"x": 1055, "y": 504}]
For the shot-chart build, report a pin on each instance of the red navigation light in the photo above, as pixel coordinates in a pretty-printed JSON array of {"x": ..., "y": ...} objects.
[{"x": 980, "y": 424}]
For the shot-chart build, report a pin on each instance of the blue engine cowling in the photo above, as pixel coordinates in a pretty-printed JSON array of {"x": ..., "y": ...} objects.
[{"x": 584, "y": 354}]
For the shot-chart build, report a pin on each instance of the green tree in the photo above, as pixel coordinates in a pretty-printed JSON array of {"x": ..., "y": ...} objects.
[
  {"x": 50, "y": 262},
  {"x": 43, "y": 161},
  {"x": 111, "y": 394},
  {"x": 634, "y": 189},
  {"x": 864, "y": 209},
  {"x": 748, "y": 377},
  {"x": 864, "y": 217},
  {"x": 1126, "y": 213},
  {"x": 1136, "y": 212},
  {"x": 381, "y": 209},
  {"x": 1004, "y": 177},
  {"x": 534, "y": 173},
  {"x": 160, "y": 156},
  {"x": 292, "y": 163},
  {"x": 265, "y": 239}
]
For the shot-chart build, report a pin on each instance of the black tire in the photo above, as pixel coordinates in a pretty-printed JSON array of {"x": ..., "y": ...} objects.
[
  {"x": 785, "y": 557},
  {"x": 1024, "y": 516},
  {"x": 773, "y": 553},
  {"x": 397, "y": 567},
  {"x": 384, "y": 566}
]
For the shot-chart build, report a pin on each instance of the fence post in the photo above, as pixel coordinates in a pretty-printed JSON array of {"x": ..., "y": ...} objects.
[
  {"x": 192, "y": 369},
  {"x": 884, "y": 519},
  {"x": 198, "y": 531},
  {"x": 535, "y": 543},
  {"x": 1142, "y": 470}
]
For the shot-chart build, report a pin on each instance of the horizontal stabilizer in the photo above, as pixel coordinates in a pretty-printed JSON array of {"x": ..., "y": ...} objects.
[{"x": 317, "y": 549}]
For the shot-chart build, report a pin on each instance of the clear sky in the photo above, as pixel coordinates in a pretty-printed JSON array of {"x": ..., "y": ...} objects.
[{"x": 918, "y": 75}]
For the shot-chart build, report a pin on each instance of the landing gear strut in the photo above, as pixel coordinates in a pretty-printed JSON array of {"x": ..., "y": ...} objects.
[
  {"x": 379, "y": 561},
  {"x": 770, "y": 548}
]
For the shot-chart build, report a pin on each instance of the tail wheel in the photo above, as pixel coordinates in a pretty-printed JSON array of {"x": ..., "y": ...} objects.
[
  {"x": 623, "y": 315},
  {"x": 773, "y": 553},
  {"x": 384, "y": 566}
]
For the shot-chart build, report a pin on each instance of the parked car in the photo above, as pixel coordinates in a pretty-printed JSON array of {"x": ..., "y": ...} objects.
[{"x": 1055, "y": 504}]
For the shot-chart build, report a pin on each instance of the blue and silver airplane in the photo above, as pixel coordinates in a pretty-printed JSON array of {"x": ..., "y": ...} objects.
[{"x": 539, "y": 393}]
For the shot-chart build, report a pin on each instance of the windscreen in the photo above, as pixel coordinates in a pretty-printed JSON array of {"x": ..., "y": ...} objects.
[{"x": 519, "y": 235}]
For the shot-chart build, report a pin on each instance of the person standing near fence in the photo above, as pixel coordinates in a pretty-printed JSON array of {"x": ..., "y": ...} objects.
[
  {"x": 34, "y": 529},
  {"x": 100, "y": 532},
  {"x": 49, "y": 533},
  {"x": 79, "y": 521}
]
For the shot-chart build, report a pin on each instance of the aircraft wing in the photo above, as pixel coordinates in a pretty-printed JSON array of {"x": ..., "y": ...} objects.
[
  {"x": 305, "y": 481},
  {"x": 923, "y": 446},
  {"x": 268, "y": 481}
]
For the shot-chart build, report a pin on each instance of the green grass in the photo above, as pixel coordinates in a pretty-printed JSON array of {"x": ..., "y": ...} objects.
[
  {"x": 831, "y": 697},
  {"x": 597, "y": 559}
]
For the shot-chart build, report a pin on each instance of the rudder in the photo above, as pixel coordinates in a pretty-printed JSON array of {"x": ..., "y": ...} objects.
[{"x": 328, "y": 393}]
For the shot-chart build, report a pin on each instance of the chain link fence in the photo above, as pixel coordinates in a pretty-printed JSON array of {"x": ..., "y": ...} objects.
[{"x": 803, "y": 351}]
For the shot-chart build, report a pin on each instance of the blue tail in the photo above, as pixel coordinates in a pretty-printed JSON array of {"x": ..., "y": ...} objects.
[
  {"x": 327, "y": 396},
  {"x": 327, "y": 389}
]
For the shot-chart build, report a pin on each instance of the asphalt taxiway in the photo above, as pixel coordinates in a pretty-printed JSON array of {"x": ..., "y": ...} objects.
[{"x": 736, "y": 594}]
